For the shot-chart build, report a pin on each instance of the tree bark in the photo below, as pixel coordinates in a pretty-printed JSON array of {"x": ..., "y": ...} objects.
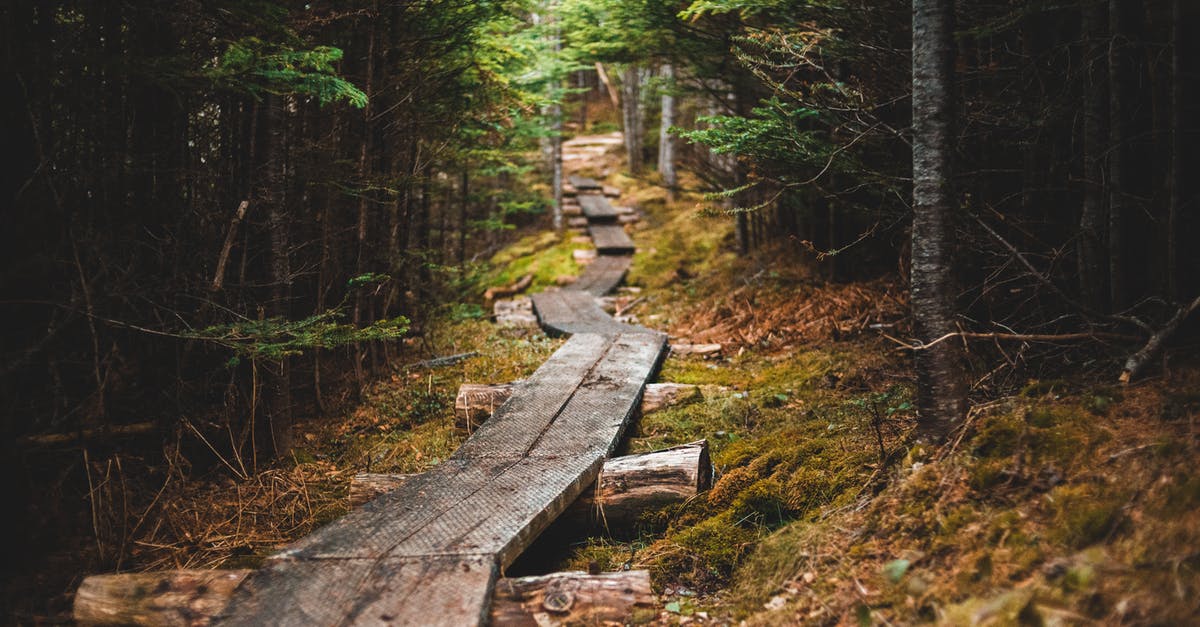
[
  {"x": 630, "y": 99},
  {"x": 571, "y": 598},
  {"x": 941, "y": 386},
  {"x": 666, "y": 142},
  {"x": 1092, "y": 221},
  {"x": 1118, "y": 86},
  {"x": 173, "y": 597},
  {"x": 275, "y": 184},
  {"x": 1175, "y": 183}
]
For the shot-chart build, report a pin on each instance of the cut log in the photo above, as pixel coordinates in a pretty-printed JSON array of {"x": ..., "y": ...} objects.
[
  {"x": 572, "y": 598},
  {"x": 194, "y": 597},
  {"x": 628, "y": 219},
  {"x": 476, "y": 402},
  {"x": 584, "y": 256},
  {"x": 577, "y": 222},
  {"x": 611, "y": 191},
  {"x": 505, "y": 291},
  {"x": 662, "y": 395},
  {"x": 173, "y": 597},
  {"x": 572, "y": 210},
  {"x": 631, "y": 485},
  {"x": 365, "y": 486},
  {"x": 704, "y": 350},
  {"x": 628, "y": 486},
  {"x": 516, "y": 312}
]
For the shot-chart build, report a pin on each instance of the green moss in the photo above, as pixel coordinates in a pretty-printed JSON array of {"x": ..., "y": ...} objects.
[
  {"x": 998, "y": 438},
  {"x": 544, "y": 255},
  {"x": 706, "y": 552},
  {"x": 1084, "y": 515},
  {"x": 761, "y": 502}
]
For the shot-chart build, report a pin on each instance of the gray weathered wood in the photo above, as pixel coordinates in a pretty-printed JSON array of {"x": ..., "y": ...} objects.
[
  {"x": 583, "y": 183},
  {"x": 571, "y": 311},
  {"x": 603, "y": 275},
  {"x": 611, "y": 239},
  {"x": 596, "y": 208},
  {"x": 476, "y": 402}
]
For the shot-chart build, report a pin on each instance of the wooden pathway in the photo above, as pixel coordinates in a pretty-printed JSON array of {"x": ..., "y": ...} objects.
[{"x": 430, "y": 552}]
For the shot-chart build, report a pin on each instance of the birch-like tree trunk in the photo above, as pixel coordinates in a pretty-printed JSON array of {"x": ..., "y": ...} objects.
[
  {"x": 630, "y": 97},
  {"x": 666, "y": 143},
  {"x": 941, "y": 386}
]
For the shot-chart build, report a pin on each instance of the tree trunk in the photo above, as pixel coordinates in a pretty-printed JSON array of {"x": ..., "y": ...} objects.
[
  {"x": 666, "y": 142},
  {"x": 275, "y": 184},
  {"x": 941, "y": 389},
  {"x": 1175, "y": 200},
  {"x": 1092, "y": 223},
  {"x": 630, "y": 98},
  {"x": 364, "y": 151},
  {"x": 1118, "y": 87}
]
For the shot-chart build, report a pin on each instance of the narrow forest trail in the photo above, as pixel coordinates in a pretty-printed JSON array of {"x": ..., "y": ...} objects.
[{"x": 430, "y": 552}]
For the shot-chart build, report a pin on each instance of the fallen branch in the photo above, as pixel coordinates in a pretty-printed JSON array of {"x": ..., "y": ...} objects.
[
  {"x": 1138, "y": 361},
  {"x": 1012, "y": 337},
  {"x": 230, "y": 236},
  {"x": 506, "y": 291},
  {"x": 110, "y": 431},
  {"x": 439, "y": 362}
]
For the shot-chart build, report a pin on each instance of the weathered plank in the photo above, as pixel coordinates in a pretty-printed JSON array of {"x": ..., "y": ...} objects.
[
  {"x": 603, "y": 275},
  {"x": 597, "y": 209},
  {"x": 571, "y": 311},
  {"x": 611, "y": 239},
  {"x": 430, "y": 590},
  {"x": 583, "y": 183}
]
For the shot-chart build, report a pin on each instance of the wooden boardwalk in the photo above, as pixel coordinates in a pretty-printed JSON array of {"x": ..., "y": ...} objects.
[
  {"x": 597, "y": 209},
  {"x": 430, "y": 552}
]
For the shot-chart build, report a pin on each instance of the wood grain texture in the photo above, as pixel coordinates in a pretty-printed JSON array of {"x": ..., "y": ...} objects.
[
  {"x": 583, "y": 183},
  {"x": 572, "y": 312},
  {"x": 571, "y": 598},
  {"x": 603, "y": 275},
  {"x": 597, "y": 209},
  {"x": 611, "y": 239}
]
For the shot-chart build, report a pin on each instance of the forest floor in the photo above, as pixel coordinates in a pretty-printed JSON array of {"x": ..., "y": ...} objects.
[{"x": 1068, "y": 501}]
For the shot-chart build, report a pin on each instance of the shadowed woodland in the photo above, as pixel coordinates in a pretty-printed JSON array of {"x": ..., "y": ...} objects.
[{"x": 943, "y": 251}]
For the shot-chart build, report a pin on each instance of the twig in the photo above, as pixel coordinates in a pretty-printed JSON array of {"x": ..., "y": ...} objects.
[
  {"x": 1017, "y": 337},
  {"x": 449, "y": 360}
]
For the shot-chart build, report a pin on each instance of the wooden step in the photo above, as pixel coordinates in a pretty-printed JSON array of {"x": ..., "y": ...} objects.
[
  {"x": 611, "y": 239},
  {"x": 597, "y": 209}
]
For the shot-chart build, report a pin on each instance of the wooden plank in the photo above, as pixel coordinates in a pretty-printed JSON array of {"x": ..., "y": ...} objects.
[
  {"x": 583, "y": 183},
  {"x": 566, "y": 312},
  {"x": 605, "y": 403},
  {"x": 596, "y": 208},
  {"x": 436, "y": 591},
  {"x": 536, "y": 402},
  {"x": 603, "y": 275},
  {"x": 611, "y": 239}
]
